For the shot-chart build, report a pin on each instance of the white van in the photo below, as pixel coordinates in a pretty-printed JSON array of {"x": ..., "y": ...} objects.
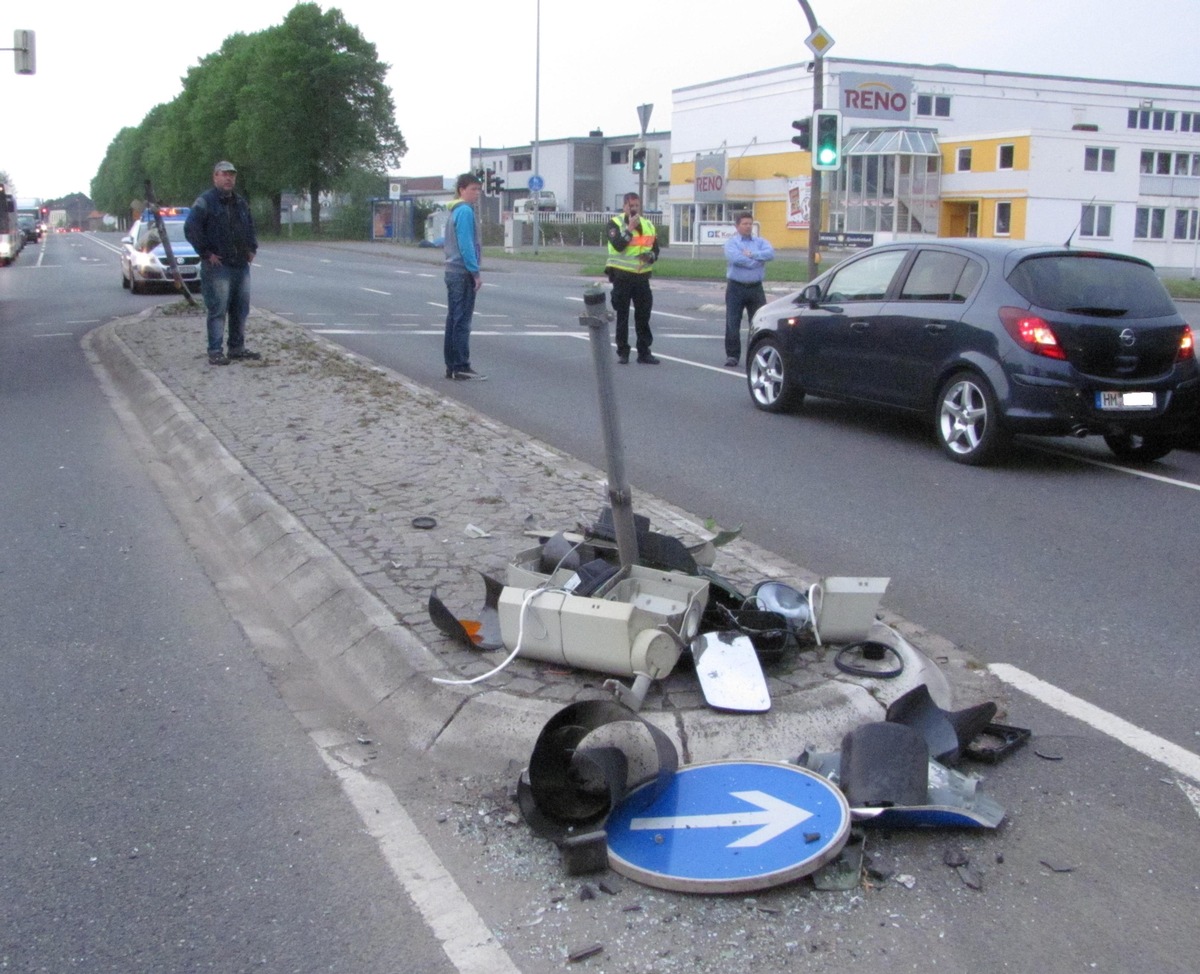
[{"x": 546, "y": 201}]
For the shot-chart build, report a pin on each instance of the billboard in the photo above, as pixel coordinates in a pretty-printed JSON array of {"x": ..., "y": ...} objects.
[
  {"x": 710, "y": 178},
  {"x": 876, "y": 96}
]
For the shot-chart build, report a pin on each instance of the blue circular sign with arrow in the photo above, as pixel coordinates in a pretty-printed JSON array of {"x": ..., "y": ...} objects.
[
  {"x": 729, "y": 827},
  {"x": 536, "y": 184}
]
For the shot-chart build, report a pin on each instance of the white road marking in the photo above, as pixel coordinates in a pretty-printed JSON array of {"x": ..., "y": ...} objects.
[
  {"x": 1133, "y": 472},
  {"x": 1178, "y": 759},
  {"x": 465, "y": 937},
  {"x": 280, "y": 270},
  {"x": 386, "y": 294}
]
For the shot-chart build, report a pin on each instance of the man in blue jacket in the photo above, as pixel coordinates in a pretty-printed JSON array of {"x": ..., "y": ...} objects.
[
  {"x": 220, "y": 227},
  {"x": 462, "y": 275}
]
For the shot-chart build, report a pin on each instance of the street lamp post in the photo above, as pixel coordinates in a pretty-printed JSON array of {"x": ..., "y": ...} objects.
[{"x": 814, "y": 202}]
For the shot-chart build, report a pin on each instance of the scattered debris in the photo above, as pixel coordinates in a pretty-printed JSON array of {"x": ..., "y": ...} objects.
[
  {"x": 471, "y": 531},
  {"x": 1056, "y": 868},
  {"x": 424, "y": 523},
  {"x": 583, "y": 953}
]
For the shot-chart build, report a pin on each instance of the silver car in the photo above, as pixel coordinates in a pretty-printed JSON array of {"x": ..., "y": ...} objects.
[{"x": 144, "y": 258}]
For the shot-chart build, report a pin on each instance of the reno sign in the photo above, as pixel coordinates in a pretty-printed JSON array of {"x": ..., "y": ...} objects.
[
  {"x": 710, "y": 178},
  {"x": 876, "y": 96}
]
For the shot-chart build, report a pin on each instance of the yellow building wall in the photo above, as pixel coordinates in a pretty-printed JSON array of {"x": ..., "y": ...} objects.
[
  {"x": 985, "y": 153},
  {"x": 770, "y": 208}
]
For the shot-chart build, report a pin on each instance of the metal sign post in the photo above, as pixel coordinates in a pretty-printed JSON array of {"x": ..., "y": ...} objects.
[{"x": 595, "y": 320}]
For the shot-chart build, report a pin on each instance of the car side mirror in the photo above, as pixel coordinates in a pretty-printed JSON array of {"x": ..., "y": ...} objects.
[
  {"x": 812, "y": 294},
  {"x": 127, "y": 240}
]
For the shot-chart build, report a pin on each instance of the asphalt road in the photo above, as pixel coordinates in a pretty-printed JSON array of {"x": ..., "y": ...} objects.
[
  {"x": 1095, "y": 869},
  {"x": 162, "y": 808}
]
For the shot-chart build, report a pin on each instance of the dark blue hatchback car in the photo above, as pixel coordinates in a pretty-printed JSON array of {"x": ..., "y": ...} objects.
[{"x": 989, "y": 339}]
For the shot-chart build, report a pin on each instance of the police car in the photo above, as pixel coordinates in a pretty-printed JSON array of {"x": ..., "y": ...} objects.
[{"x": 144, "y": 259}]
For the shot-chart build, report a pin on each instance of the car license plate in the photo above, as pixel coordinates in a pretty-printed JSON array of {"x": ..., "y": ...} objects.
[{"x": 1126, "y": 400}]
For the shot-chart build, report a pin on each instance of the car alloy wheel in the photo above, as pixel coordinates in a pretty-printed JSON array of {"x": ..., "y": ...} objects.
[
  {"x": 968, "y": 421},
  {"x": 1138, "y": 449},
  {"x": 773, "y": 388}
]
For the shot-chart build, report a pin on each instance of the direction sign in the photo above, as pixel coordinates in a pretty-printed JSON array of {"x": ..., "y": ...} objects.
[
  {"x": 728, "y": 827},
  {"x": 536, "y": 184}
]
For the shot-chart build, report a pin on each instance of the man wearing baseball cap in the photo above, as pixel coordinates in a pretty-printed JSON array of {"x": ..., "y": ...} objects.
[{"x": 221, "y": 229}]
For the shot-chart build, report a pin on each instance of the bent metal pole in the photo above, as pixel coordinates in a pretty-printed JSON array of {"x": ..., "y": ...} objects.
[{"x": 620, "y": 498}]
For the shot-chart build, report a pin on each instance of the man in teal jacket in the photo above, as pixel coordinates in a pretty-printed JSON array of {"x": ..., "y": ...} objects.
[{"x": 463, "y": 279}]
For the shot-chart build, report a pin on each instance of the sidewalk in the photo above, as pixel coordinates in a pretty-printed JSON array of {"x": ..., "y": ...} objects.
[{"x": 308, "y": 469}]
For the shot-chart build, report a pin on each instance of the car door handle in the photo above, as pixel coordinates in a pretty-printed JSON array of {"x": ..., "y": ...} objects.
[
  {"x": 935, "y": 327},
  {"x": 860, "y": 326}
]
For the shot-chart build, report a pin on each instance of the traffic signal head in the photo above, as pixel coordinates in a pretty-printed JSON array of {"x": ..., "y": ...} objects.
[
  {"x": 804, "y": 127},
  {"x": 639, "y": 160},
  {"x": 497, "y": 185},
  {"x": 827, "y": 140},
  {"x": 489, "y": 182}
]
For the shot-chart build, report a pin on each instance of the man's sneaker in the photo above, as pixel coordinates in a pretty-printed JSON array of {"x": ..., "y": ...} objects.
[
  {"x": 244, "y": 353},
  {"x": 467, "y": 374},
  {"x": 622, "y": 358},
  {"x": 731, "y": 362},
  {"x": 648, "y": 359},
  {"x": 449, "y": 374},
  {"x": 218, "y": 358}
]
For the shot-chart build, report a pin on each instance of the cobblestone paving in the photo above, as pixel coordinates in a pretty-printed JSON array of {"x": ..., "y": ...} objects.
[{"x": 355, "y": 452}]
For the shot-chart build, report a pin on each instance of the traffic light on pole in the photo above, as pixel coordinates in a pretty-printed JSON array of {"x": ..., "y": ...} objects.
[
  {"x": 497, "y": 185},
  {"x": 804, "y": 139},
  {"x": 827, "y": 140},
  {"x": 489, "y": 178},
  {"x": 639, "y": 159}
]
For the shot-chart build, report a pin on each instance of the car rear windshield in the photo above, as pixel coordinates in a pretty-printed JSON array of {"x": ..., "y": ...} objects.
[{"x": 1092, "y": 284}]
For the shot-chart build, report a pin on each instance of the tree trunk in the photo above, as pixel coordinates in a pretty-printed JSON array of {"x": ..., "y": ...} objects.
[{"x": 314, "y": 208}]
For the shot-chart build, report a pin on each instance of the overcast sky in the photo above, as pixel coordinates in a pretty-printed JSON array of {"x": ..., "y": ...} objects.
[{"x": 463, "y": 71}]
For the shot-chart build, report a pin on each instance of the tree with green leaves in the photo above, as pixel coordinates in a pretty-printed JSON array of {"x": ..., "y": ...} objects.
[{"x": 302, "y": 106}]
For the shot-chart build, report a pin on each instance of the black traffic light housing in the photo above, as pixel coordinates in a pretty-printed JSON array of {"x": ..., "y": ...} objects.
[
  {"x": 804, "y": 139},
  {"x": 638, "y": 160},
  {"x": 497, "y": 185},
  {"x": 827, "y": 140}
]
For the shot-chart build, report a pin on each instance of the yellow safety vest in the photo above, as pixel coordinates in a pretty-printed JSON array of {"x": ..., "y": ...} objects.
[{"x": 642, "y": 243}]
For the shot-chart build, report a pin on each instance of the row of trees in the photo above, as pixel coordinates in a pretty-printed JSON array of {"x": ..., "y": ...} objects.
[{"x": 301, "y": 107}]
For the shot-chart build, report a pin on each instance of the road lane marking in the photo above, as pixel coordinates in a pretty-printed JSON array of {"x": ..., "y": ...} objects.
[
  {"x": 1117, "y": 467},
  {"x": 386, "y": 294},
  {"x": 280, "y": 270},
  {"x": 442, "y": 904},
  {"x": 1178, "y": 759}
]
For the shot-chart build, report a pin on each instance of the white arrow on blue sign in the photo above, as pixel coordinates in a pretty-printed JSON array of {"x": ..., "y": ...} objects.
[{"x": 729, "y": 827}]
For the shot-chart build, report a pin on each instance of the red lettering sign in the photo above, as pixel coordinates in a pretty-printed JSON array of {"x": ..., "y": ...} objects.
[{"x": 876, "y": 100}]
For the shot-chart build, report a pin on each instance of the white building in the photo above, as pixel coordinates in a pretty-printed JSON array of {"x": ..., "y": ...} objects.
[
  {"x": 586, "y": 174},
  {"x": 946, "y": 151}
]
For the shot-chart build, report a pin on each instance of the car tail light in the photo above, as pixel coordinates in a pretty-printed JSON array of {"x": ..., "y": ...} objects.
[
  {"x": 1187, "y": 345},
  {"x": 1032, "y": 333}
]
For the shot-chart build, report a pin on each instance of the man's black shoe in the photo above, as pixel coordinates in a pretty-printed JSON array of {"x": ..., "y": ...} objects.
[
  {"x": 622, "y": 358},
  {"x": 731, "y": 362},
  {"x": 218, "y": 358},
  {"x": 449, "y": 374},
  {"x": 465, "y": 375},
  {"x": 244, "y": 353},
  {"x": 648, "y": 359}
]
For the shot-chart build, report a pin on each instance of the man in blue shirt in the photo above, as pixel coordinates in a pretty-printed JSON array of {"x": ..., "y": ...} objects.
[
  {"x": 746, "y": 256},
  {"x": 463, "y": 279}
]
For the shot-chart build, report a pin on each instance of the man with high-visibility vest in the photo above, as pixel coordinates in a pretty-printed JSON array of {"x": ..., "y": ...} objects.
[{"x": 632, "y": 251}]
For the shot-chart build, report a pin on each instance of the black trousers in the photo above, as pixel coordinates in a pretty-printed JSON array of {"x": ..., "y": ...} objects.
[{"x": 630, "y": 288}]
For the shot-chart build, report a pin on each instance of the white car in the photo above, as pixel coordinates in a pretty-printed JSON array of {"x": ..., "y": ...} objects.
[{"x": 144, "y": 259}]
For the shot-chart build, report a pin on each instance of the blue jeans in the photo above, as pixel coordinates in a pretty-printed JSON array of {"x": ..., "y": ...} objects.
[
  {"x": 226, "y": 292},
  {"x": 460, "y": 306},
  {"x": 740, "y": 298}
]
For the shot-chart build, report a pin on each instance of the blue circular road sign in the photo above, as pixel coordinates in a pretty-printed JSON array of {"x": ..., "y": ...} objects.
[
  {"x": 729, "y": 827},
  {"x": 536, "y": 184}
]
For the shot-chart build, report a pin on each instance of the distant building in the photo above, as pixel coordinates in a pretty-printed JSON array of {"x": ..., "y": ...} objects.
[
  {"x": 935, "y": 151},
  {"x": 585, "y": 173}
]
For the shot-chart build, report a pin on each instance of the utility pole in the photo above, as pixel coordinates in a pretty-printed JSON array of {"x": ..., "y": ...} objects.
[{"x": 818, "y": 42}]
